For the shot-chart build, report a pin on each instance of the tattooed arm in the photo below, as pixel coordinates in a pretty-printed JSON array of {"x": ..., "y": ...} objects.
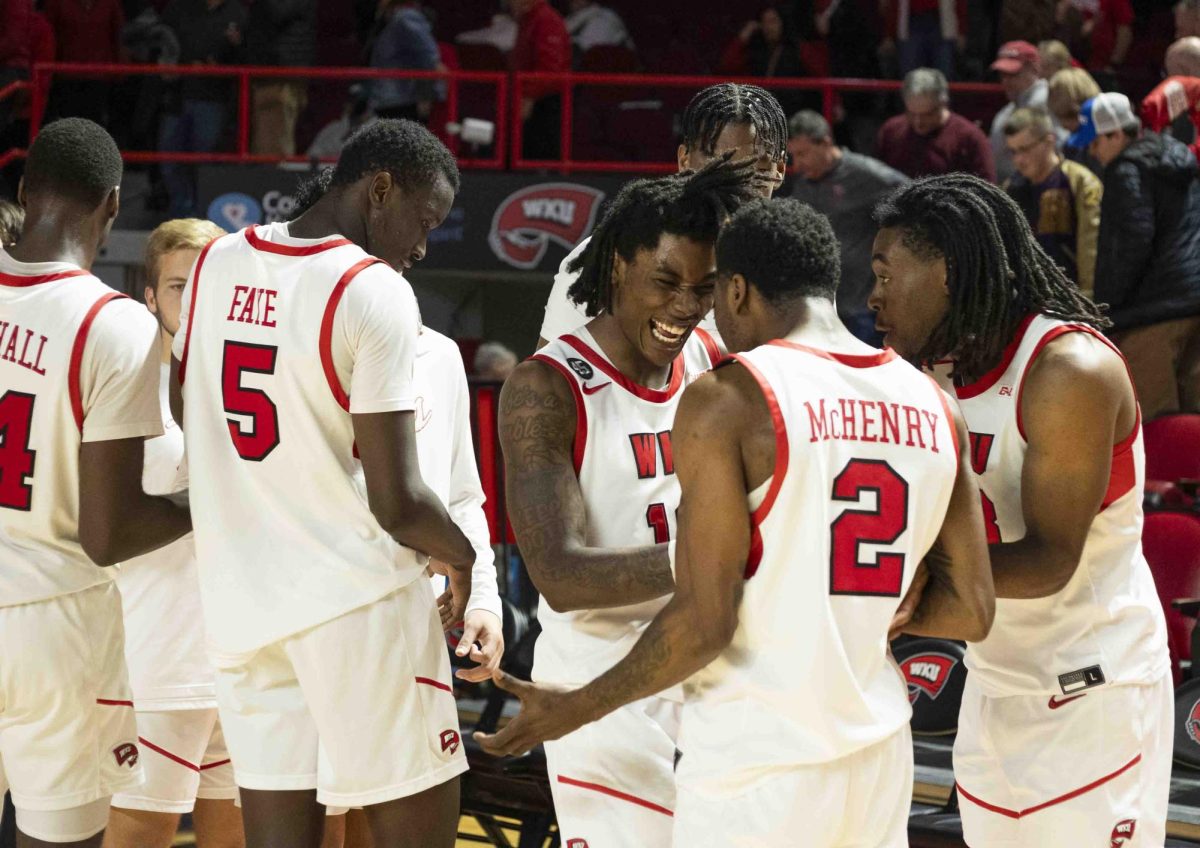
[
  {"x": 712, "y": 459},
  {"x": 545, "y": 504}
]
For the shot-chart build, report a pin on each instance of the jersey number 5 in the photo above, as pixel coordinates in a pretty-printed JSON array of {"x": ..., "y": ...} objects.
[
  {"x": 882, "y": 525},
  {"x": 253, "y": 441},
  {"x": 16, "y": 459}
]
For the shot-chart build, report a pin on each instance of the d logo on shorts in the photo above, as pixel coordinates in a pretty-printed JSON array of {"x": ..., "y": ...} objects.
[
  {"x": 126, "y": 753},
  {"x": 1122, "y": 832},
  {"x": 450, "y": 741}
]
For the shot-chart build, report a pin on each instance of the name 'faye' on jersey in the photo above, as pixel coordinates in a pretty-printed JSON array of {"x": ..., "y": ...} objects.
[{"x": 859, "y": 420}]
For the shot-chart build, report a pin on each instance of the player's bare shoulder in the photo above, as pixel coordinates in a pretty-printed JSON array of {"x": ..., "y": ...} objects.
[
  {"x": 1080, "y": 370},
  {"x": 727, "y": 405},
  {"x": 537, "y": 415}
]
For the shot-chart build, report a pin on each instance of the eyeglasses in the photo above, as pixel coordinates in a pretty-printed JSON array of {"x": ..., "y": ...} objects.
[{"x": 1025, "y": 149}]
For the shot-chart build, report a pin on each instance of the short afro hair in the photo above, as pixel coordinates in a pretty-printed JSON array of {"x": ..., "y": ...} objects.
[
  {"x": 784, "y": 248},
  {"x": 76, "y": 159},
  {"x": 405, "y": 149}
]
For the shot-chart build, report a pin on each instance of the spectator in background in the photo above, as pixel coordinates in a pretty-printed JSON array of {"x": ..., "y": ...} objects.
[
  {"x": 16, "y": 27},
  {"x": 1183, "y": 58},
  {"x": 1148, "y": 268},
  {"x": 494, "y": 361},
  {"x": 281, "y": 33},
  {"x": 12, "y": 219},
  {"x": 85, "y": 31},
  {"x": 1066, "y": 92},
  {"x": 1174, "y": 104},
  {"x": 1060, "y": 198},
  {"x": 925, "y": 33},
  {"x": 405, "y": 41},
  {"x": 845, "y": 187},
  {"x": 1027, "y": 20},
  {"x": 591, "y": 25},
  {"x": 767, "y": 47},
  {"x": 1053, "y": 57},
  {"x": 542, "y": 45},
  {"x": 1017, "y": 64},
  {"x": 930, "y": 139},
  {"x": 1187, "y": 18},
  {"x": 1099, "y": 30},
  {"x": 333, "y": 136},
  {"x": 501, "y": 33},
  {"x": 210, "y": 32}
]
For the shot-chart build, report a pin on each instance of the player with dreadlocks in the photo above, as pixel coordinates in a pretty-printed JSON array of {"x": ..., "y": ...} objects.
[
  {"x": 1069, "y": 697},
  {"x": 744, "y": 119},
  {"x": 586, "y": 430}
]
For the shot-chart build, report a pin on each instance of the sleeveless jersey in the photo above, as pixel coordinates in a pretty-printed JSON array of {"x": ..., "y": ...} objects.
[
  {"x": 160, "y": 594},
  {"x": 1106, "y": 625},
  {"x": 78, "y": 363},
  {"x": 627, "y": 477},
  {"x": 280, "y": 341},
  {"x": 866, "y": 457}
]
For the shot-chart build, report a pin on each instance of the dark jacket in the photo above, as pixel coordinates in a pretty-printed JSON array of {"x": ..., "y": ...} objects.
[
  {"x": 282, "y": 32},
  {"x": 1148, "y": 263}
]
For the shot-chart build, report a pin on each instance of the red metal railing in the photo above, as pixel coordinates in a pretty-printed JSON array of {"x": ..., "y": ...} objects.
[{"x": 508, "y": 135}]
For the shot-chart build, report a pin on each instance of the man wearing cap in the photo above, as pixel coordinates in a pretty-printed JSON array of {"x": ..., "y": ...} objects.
[
  {"x": 1148, "y": 264},
  {"x": 1017, "y": 63}
]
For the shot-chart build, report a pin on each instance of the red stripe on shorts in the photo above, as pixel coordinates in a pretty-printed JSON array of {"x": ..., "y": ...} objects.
[
  {"x": 624, "y": 796},
  {"x": 111, "y": 703},
  {"x": 1075, "y": 793},
  {"x": 169, "y": 755},
  {"x": 434, "y": 683}
]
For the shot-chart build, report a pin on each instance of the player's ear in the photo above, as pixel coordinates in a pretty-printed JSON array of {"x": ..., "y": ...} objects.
[
  {"x": 112, "y": 203},
  {"x": 739, "y": 293},
  {"x": 151, "y": 298},
  {"x": 21, "y": 193},
  {"x": 380, "y": 189},
  {"x": 619, "y": 267},
  {"x": 681, "y": 158}
]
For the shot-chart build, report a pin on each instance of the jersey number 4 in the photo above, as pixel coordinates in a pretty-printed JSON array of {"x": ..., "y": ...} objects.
[
  {"x": 255, "y": 438},
  {"x": 16, "y": 459},
  {"x": 881, "y": 525}
]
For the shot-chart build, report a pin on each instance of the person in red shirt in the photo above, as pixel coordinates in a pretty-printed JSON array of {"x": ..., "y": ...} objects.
[
  {"x": 1106, "y": 26},
  {"x": 542, "y": 45},
  {"x": 85, "y": 31}
]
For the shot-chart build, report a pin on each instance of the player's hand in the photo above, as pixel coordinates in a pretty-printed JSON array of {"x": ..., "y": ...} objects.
[
  {"x": 912, "y": 600},
  {"x": 482, "y": 642},
  {"x": 545, "y": 714},
  {"x": 452, "y": 605}
]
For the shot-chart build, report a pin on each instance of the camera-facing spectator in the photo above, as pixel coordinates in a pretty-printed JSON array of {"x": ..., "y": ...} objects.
[
  {"x": 924, "y": 33},
  {"x": 1060, "y": 198},
  {"x": 929, "y": 138}
]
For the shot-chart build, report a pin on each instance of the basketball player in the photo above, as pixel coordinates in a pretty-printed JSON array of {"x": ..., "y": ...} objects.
[
  {"x": 585, "y": 426},
  {"x": 745, "y": 119},
  {"x": 295, "y": 358},
  {"x": 78, "y": 394},
  {"x": 800, "y": 531},
  {"x": 1065, "y": 731},
  {"x": 182, "y": 748}
]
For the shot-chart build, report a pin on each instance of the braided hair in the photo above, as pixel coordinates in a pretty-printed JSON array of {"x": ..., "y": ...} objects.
[
  {"x": 715, "y": 107},
  {"x": 996, "y": 271},
  {"x": 693, "y": 204}
]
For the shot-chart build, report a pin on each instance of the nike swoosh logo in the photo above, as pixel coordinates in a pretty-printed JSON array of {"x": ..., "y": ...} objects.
[
  {"x": 1055, "y": 704},
  {"x": 591, "y": 390}
]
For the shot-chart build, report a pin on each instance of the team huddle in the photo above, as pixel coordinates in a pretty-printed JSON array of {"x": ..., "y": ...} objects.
[{"x": 728, "y": 504}]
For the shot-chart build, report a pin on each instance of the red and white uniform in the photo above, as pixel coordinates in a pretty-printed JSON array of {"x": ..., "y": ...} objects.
[
  {"x": 183, "y": 749},
  {"x": 801, "y": 724},
  {"x": 281, "y": 340},
  {"x": 613, "y": 780},
  {"x": 1070, "y": 691},
  {"x": 77, "y": 364}
]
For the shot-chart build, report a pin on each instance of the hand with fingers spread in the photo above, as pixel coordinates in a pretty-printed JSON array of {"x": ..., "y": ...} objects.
[
  {"x": 912, "y": 600},
  {"x": 547, "y": 712},
  {"x": 482, "y": 642}
]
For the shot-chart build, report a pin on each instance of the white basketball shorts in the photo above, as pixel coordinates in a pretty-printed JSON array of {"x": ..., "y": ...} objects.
[{"x": 183, "y": 753}]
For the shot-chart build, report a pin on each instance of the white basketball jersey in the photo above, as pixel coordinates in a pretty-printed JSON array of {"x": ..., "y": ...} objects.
[
  {"x": 160, "y": 594},
  {"x": 627, "y": 476},
  {"x": 865, "y": 461},
  {"x": 77, "y": 364},
  {"x": 1106, "y": 625},
  {"x": 281, "y": 340}
]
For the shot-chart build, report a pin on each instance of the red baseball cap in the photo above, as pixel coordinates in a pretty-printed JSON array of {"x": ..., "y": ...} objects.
[{"x": 1014, "y": 56}]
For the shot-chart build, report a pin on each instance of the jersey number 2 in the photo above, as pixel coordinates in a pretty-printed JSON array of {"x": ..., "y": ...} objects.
[
  {"x": 883, "y": 525},
  {"x": 16, "y": 459},
  {"x": 255, "y": 441}
]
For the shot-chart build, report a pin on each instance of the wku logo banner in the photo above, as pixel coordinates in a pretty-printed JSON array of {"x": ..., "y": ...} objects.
[
  {"x": 927, "y": 673},
  {"x": 528, "y": 220}
]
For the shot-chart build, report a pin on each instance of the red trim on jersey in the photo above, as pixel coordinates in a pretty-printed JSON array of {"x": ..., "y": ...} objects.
[
  {"x": 710, "y": 345},
  {"x": 436, "y": 684},
  {"x": 109, "y": 702},
  {"x": 989, "y": 379},
  {"x": 674, "y": 384},
  {"x": 1083, "y": 790},
  {"x": 325, "y": 341},
  {"x": 187, "y": 336},
  {"x": 259, "y": 243},
  {"x": 581, "y": 426},
  {"x": 781, "y": 465},
  {"x": 73, "y": 389},
  {"x": 854, "y": 360},
  {"x": 945, "y": 399},
  {"x": 1122, "y": 475},
  {"x": 615, "y": 793},
  {"x": 21, "y": 281}
]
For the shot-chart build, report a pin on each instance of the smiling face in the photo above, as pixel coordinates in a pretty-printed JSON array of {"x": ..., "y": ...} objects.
[
  {"x": 742, "y": 139},
  {"x": 164, "y": 300},
  {"x": 910, "y": 297},
  {"x": 400, "y": 221},
  {"x": 660, "y": 295}
]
